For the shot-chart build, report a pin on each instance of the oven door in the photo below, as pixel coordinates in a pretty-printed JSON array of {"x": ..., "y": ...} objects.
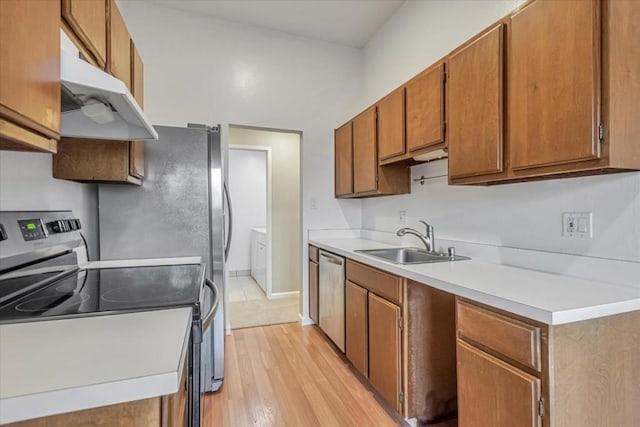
[{"x": 199, "y": 354}]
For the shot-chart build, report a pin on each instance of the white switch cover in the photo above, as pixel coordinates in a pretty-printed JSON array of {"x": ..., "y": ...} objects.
[
  {"x": 314, "y": 203},
  {"x": 402, "y": 217},
  {"x": 577, "y": 224}
]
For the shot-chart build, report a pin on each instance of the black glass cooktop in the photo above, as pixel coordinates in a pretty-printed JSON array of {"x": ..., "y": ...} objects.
[{"x": 110, "y": 289}]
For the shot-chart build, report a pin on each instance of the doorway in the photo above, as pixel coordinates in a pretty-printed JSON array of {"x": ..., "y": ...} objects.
[{"x": 264, "y": 262}]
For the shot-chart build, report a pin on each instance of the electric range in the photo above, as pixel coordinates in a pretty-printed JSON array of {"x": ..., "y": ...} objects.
[
  {"x": 102, "y": 291},
  {"x": 45, "y": 275}
]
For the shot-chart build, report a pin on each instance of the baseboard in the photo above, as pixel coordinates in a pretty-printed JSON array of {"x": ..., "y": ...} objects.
[
  {"x": 305, "y": 321},
  {"x": 239, "y": 273},
  {"x": 276, "y": 295}
]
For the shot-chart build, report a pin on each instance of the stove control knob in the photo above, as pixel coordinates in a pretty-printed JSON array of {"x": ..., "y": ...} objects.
[
  {"x": 56, "y": 226},
  {"x": 78, "y": 226},
  {"x": 3, "y": 233},
  {"x": 72, "y": 224}
]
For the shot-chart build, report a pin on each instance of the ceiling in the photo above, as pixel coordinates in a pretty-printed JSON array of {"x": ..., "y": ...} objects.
[{"x": 346, "y": 22}]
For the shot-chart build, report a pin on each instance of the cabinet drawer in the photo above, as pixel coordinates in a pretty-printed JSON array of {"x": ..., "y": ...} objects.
[
  {"x": 512, "y": 338},
  {"x": 384, "y": 284},
  {"x": 313, "y": 253}
]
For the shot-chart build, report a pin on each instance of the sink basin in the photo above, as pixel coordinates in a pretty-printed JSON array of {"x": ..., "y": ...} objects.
[{"x": 410, "y": 255}]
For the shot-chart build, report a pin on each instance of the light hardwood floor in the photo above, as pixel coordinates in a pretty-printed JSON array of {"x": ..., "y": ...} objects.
[{"x": 288, "y": 375}]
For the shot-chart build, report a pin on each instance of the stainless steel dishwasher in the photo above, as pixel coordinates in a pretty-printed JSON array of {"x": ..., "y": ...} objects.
[{"x": 331, "y": 297}]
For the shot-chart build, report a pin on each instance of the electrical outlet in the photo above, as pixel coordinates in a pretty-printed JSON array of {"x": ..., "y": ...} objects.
[
  {"x": 402, "y": 217},
  {"x": 577, "y": 224}
]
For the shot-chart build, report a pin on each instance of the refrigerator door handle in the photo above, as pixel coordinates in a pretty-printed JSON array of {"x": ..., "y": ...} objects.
[
  {"x": 227, "y": 245},
  {"x": 215, "y": 299}
]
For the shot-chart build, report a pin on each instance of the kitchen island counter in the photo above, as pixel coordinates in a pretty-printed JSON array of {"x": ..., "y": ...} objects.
[
  {"x": 549, "y": 298},
  {"x": 58, "y": 366}
]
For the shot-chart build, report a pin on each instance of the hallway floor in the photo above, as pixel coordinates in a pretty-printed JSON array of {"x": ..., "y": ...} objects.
[
  {"x": 249, "y": 306},
  {"x": 288, "y": 375}
]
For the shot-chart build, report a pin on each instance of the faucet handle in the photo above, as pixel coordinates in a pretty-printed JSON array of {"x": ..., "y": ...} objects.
[{"x": 427, "y": 226}]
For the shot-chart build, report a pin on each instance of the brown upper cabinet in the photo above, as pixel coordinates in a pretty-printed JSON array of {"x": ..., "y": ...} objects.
[
  {"x": 554, "y": 83},
  {"x": 569, "y": 101},
  {"x": 88, "y": 21},
  {"x": 119, "y": 50},
  {"x": 365, "y": 159},
  {"x": 425, "y": 109},
  {"x": 391, "y": 129},
  {"x": 136, "y": 148},
  {"x": 88, "y": 160},
  {"x": 475, "y": 106},
  {"x": 548, "y": 91},
  {"x": 344, "y": 160},
  {"x": 358, "y": 173},
  {"x": 29, "y": 101}
]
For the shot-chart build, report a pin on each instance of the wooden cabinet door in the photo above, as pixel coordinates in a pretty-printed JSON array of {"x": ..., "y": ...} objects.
[
  {"x": 554, "y": 83},
  {"x": 136, "y": 148},
  {"x": 313, "y": 290},
  {"x": 385, "y": 373},
  {"x": 356, "y": 327},
  {"x": 365, "y": 152},
  {"x": 475, "y": 106},
  {"x": 30, "y": 64},
  {"x": 391, "y": 125},
  {"x": 88, "y": 20},
  {"x": 494, "y": 393},
  {"x": 344, "y": 160},
  {"x": 425, "y": 109},
  {"x": 119, "y": 46}
]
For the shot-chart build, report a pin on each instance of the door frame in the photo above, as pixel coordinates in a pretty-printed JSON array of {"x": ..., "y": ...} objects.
[{"x": 269, "y": 245}]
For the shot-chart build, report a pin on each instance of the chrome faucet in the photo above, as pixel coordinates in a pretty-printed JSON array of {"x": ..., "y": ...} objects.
[{"x": 428, "y": 239}]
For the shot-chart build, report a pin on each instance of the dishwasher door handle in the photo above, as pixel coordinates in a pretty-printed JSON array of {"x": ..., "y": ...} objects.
[{"x": 332, "y": 259}]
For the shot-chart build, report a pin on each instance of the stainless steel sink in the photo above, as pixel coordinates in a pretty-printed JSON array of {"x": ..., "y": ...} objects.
[{"x": 411, "y": 255}]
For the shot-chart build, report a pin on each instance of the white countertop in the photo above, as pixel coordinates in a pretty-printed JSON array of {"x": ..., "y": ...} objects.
[
  {"x": 549, "y": 298},
  {"x": 58, "y": 366}
]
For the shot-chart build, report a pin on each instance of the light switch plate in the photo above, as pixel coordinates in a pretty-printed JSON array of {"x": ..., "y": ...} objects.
[
  {"x": 577, "y": 224},
  {"x": 402, "y": 217}
]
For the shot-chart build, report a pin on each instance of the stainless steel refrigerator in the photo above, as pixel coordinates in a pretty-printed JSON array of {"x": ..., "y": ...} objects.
[{"x": 181, "y": 210}]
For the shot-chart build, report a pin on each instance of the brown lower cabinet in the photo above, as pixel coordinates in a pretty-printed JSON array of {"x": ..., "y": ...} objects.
[
  {"x": 400, "y": 334},
  {"x": 385, "y": 341},
  {"x": 357, "y": 327},
  {"x": 514, "y": 371},
  {"x": 314, "y": 277},
  {"x": 165, "y": 411}
]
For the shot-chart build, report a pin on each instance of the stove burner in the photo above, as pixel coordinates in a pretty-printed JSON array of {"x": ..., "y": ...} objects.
[
  {"x": 46, "y": 303},
  {"x": 136, "y": 296}
]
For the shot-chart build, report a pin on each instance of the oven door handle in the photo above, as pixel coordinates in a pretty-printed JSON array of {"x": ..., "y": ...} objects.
[{"x": 215, "y": 300}]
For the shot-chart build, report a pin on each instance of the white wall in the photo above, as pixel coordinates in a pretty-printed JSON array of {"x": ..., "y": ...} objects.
[
  {"x": 201, "y": 69},
  {"x": 524, "y": 215},
  {"x": 248, "y": 189},
  {"x": 286, "y": 227},
  {"x": 26, "y": 184}
]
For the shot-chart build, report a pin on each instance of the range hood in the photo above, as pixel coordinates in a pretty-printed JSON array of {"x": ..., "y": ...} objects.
[{"x": 97, "y": 105}]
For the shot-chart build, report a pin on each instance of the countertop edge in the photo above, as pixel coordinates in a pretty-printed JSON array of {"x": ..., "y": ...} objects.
[
  {"x": 26, "y": 407},
  {"x": 21, "y": 408},
  {"x": 551, "y": 318}
]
